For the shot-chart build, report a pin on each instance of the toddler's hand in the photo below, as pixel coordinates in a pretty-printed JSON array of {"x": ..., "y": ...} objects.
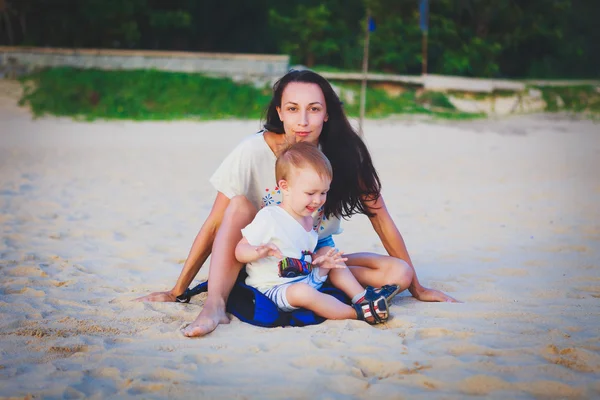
[
  {"x": 332, "y": 259},
  {"x": 268, "y": 250}
]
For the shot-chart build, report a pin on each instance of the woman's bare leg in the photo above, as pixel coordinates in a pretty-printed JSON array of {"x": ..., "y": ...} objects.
[
  {"x": 377, "y": 270},
  {"x": 224, "y": 268}
]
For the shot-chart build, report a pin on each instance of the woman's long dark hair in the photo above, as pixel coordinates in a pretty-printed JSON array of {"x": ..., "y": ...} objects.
[{"x": 354, "y": 176}]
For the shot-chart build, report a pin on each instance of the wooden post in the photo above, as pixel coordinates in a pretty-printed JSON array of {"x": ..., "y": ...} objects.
[
  {"x": 424, "y": 45},
  {"x": 365, "y": 70},
  {"x": 424, "y": 24}
]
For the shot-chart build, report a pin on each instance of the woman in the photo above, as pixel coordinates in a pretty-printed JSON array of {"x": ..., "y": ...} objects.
[{"x": 304, "y": 107}]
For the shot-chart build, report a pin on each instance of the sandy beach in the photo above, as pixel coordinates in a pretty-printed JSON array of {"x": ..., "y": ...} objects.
[{"x": 503, "y": 214}]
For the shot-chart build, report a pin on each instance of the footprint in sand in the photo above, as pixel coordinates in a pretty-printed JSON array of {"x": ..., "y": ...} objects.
[
  {"x": 166, "y": 375},
  {"x": 395, "y": 389},
  {"x": 31, "y": 292},
  {"x": 60, "y": 283},
  {"x": 81, "y": 269},
  {"x": 380, "y": 369},
  {"x": 116, "y": 341},
  {"x": 39, "y": 332},
  {"x": 591, "y": 232},
  {"x": 398, "y": 349},
  {"x": 330, "y": 364},
  {"x": 463, "y": 348},
  {"x": 593, "y": 291},
  {"x": 67, "y": 351},
  {"x": 583, "y": 292},
  {"x": 399, "y": 323},
  {"x": 102, "y": 382},
  {"x": 428, "y": 333},
  {"x": 58, "y": 235},
  {"x": 8, "y": 192},
  {"x": 346, "y": 386},
  {"x": 481, "y": 385},
  {"x": 327, "y": 343},
  {"x": 106, "y": 372},
  {"x": 550, "y": 389},
  {"x": 573, "y": 358},
  {"x": 568, "y": 249},
  {"x": 548, "y": 294},
  {"x": 207, "y": 358},
  {"x": 166, "y": 349},
  {"x": 7, "y": 263},
  {"x": 587, "y": 279},
  {"x": 29, "y": 271},
  {"x": 71, "y": 393},
  {"x": 33, "y": 276}
]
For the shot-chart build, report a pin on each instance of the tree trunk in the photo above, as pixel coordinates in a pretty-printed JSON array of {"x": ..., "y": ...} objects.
[
  {"x": 310, "y": 59},
  {"x": 23, "y": 25},
  {"x": 9, "y": 31}
]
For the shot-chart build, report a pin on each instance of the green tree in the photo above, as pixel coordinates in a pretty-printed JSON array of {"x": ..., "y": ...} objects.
[
  {"x": 306, "y": 34},
  {"x": 539, "y": 38},
  {"x": 395, "y": 45}
]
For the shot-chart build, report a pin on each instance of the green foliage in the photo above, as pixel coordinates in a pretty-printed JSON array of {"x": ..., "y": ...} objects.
[
  {"x": 402, "y": 53},
  {"x": 328, "y": 68},
  {"x": 584, "y": 99},
  {"x": 142, "y": 94},
  {"x": 305, "y": 34},
  {"x": 435, "y": 100},
  {"x": 485, "y": 38},
  {"x": 110, "y": 23},
  {"x": 170, "y": 19},
  {"x": 156, "y": 95},
  {"x": 380, "y": 104}
]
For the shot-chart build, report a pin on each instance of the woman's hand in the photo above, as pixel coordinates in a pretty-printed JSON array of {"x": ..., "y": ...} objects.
[
  {"x": 426, "y": 294},
  {"x": 158, "y": 297},
  {"x": 331, "y": 259}
]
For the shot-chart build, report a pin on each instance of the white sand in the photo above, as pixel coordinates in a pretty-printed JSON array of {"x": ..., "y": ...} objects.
[{"x": 504, "y": 215}]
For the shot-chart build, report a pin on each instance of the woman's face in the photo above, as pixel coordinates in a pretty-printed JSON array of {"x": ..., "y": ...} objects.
[{"x": 303, "y": 112}]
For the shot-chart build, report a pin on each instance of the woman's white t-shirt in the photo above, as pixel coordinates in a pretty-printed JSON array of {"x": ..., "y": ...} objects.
[{"x": 249, "y": 170}]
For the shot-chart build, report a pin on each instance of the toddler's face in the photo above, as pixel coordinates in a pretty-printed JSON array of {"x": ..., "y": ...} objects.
[{"x": 306, "y": 192}]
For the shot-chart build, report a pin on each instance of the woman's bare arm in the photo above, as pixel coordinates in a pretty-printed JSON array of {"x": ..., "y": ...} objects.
[
  {"x": 394, "y": 244},
  {"x": 201, "y": 249}
]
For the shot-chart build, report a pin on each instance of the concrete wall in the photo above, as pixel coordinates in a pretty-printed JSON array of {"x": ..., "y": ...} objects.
[{"x": 237, "y": 66}]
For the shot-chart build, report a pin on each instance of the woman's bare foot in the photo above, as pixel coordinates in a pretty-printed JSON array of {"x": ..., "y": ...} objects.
[{"x": 207, "y": 321}]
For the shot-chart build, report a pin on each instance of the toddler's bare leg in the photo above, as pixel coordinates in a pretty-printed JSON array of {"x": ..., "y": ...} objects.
[
  {"x": 305, "y": 296},
  {"x": 343, "y": 279}
]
